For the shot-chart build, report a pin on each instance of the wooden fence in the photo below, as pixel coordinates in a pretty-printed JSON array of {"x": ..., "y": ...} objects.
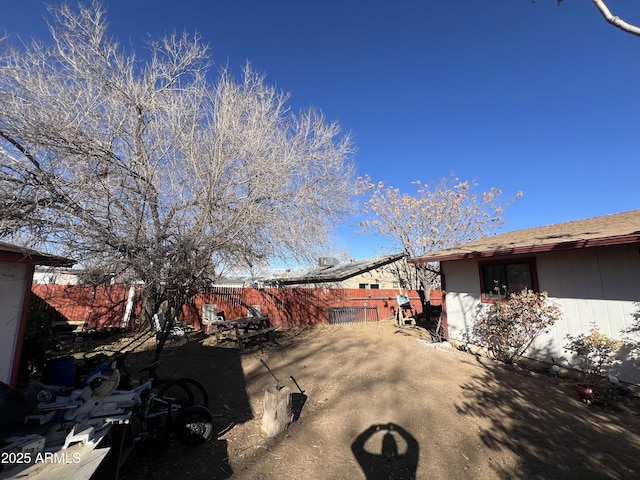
[
  {"x": 294, "y": 307},
  {"x": 287, "y": 307}
]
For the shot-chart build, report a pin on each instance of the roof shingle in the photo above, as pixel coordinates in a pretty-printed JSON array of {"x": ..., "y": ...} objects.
[{"x": 612, "y": 229}]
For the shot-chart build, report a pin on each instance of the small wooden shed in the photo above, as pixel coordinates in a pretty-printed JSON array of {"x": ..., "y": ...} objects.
[{"x": 16, "y": 274}]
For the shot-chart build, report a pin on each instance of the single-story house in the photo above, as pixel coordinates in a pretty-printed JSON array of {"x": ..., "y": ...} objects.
[
  {"x": 16, "y": 274},
  {"x": 590, "y": 268},
  {"x": 372, "y": 273},
  {"x": 56, "y": 275}
]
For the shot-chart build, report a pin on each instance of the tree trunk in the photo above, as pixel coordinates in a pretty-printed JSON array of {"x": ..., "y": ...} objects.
[
  {"x": 278, "y": 412},
  {"x": 149, "y": 302}
]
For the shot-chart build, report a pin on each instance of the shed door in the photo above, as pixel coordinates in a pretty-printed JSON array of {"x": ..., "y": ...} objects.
[{"x": 12, "y": 287}]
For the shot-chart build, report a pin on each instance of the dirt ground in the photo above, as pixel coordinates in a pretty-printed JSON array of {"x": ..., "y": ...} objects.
[{"x": 373, "y": 389}]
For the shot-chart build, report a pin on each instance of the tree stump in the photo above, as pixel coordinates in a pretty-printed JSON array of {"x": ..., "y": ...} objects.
[{"x": 278, "y": 413}]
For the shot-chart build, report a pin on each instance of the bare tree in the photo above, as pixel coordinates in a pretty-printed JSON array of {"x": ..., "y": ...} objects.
[
  {"x": 442, "y": 215},
  {"x": 144, "y": 165},
  {"x": 613, "y": 19}
]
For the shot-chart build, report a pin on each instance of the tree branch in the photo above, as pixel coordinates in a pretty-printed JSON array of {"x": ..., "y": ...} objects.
[{"x": 614, "y": 20}]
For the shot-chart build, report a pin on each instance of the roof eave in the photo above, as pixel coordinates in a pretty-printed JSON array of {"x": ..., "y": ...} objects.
[
  {"x": 36, "y": 259},
  {"x": 528, "y": 249}
]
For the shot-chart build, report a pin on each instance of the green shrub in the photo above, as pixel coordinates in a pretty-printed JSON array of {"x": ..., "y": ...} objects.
[
  {"x": 631, "y": 335},
  {"x": 594, "y": 353}
]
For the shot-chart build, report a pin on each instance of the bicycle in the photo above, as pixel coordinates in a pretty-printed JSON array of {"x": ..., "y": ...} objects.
[
  {"x": 160, "y": 407},
  {"x": 113, "y": 369},
  {"x": 158, "y": 415}
]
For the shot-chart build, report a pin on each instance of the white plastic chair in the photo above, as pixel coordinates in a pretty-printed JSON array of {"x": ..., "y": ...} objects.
[{"x": 210, "y": 317}]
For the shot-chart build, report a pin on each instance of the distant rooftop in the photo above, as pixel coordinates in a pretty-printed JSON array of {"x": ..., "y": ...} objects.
[{"x": 337, "y": 272}]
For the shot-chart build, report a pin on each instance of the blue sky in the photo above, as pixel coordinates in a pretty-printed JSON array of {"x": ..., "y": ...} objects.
[{"x": 522, "y": 96}]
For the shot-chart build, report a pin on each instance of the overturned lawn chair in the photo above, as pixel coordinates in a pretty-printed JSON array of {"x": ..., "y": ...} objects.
[{"x": 167, "y": 331}]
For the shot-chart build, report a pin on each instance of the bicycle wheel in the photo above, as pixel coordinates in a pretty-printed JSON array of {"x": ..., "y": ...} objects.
[
  {"x": 193, "y": 426},
  {"x": 186, "y": 392}
]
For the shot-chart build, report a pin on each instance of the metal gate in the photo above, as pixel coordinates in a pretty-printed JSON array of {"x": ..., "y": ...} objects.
[{"x": 353, "y": 315}]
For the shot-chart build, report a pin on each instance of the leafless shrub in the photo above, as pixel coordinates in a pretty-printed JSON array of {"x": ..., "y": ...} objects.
[{"x": 508, "y": 327}]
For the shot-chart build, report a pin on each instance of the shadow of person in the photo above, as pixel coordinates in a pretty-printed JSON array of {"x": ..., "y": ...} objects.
[{"x": 389, "y": 463}]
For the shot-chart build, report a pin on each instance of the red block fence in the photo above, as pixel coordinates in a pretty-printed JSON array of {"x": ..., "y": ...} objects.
[{"x": 105, "y": 305}]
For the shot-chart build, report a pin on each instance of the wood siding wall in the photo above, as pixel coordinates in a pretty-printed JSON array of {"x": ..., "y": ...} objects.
[{"x": 599, "y": 285}]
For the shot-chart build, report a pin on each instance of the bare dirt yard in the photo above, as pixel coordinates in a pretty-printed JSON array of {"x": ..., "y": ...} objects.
[{"x": 384, "y": 402}]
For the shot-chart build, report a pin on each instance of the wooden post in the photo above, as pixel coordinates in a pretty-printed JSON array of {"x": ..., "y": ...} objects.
[{"x": 278, "y": 413}]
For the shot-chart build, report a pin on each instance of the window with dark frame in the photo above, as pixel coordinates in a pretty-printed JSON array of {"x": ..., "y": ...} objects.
[{"x": 501, "y": 278}]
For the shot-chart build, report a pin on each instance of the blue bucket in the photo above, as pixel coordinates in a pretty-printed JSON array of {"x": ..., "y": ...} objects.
[{"x": 60, "y": 371}]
